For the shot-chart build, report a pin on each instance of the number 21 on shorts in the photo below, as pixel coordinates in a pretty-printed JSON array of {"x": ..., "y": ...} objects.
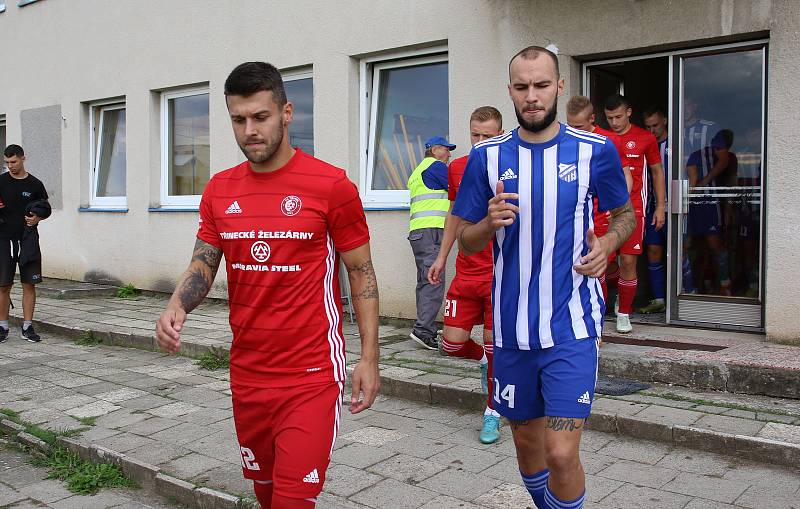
[
  {"x": 507, "y": 393},
  {"x": 450, "y": 307}
]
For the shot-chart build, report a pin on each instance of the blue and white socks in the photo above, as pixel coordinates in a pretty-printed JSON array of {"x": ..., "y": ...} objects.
[{"x": 536, "y": 485}]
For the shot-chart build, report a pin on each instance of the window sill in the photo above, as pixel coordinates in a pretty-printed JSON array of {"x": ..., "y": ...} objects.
[
  {"x": 103, "y": 209},
  {"x": 174, "y": 209},
  {"x": 376, "y": 208}
]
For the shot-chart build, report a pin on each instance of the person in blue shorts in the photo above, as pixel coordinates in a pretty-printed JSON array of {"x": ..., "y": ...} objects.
[
  {"x": 531, "y": 191},
  {"x": 655, "y": 239}
]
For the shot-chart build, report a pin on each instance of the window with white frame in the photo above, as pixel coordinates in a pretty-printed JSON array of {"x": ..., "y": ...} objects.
[
  {"x": 108, "y": 154},
  {"x": 185, "y": 147},
  {"x": 299, "y": 88},
  {"x": 406, "y": 102}
]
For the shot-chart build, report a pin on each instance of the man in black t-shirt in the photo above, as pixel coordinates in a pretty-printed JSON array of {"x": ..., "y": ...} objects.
[{"x": 18, "y": 189}]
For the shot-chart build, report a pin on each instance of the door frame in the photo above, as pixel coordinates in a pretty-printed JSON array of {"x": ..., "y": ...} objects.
[{"x": 674, "y": 111}]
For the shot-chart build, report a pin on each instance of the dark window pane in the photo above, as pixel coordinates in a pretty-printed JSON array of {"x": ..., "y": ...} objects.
[
  {"x": 301, "y": 131},
  {"x": 189, "y": 163}
]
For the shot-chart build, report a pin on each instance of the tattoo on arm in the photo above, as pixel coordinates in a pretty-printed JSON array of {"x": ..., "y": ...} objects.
[
  {"x": 563, "y": 424},
  {"x": 197, "y": 281},
  {"x": 370, "y": 284},
  {"x": 622, "y": 223},
  {"x": 518, "y": 424}
]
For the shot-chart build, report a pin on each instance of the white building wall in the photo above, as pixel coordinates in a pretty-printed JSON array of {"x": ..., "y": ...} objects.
[{"x": 70, "y": 52}]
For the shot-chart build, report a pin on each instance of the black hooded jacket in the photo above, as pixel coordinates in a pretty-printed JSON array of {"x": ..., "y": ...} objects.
[{"x": 29, "y": 245}]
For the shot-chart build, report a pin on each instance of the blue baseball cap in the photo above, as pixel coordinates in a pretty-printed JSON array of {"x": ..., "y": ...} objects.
[{"x": 438, "y": 140}]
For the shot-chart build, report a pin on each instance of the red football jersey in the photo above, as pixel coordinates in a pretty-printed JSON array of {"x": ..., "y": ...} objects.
[
  {"x": 280, "y": 233},
  {"x": 601, "y": 218},
  {"x": 637, "y": 149},
  {"x": 480, "y": 266}
]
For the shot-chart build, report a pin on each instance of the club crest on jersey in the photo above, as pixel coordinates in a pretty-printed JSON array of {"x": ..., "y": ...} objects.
[
  {"x": 567, "y": 172},
  {"x": 291, "y": 205},
  {"x": 260, "y": 251},
  {"x": 631, "y": 144}
]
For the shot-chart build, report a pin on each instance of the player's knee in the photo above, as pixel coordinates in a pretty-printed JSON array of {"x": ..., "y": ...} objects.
[
  {"x": 281, "y": 502},
  {"x": 263, "y": 490},
  {"x": 562, "y": 459}
]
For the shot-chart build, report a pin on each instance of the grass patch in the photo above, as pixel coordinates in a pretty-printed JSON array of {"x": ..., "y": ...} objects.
[
  {"x": 88, "y": 339},
  {"x": 81, "y": 476},
  {"x": 127, "y": 291},
  {"x": 87, "y": 421},
  {"x": 214, "y": 359}
]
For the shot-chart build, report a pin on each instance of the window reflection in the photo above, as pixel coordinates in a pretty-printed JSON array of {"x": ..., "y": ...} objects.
[
  {"x": 189, "y": 163},
  {"x": 722, "y": 155},
  {"x": 412, "y": 106},
  {"x": 111, "y": 164},
  {"x": 300, "y": 93}
]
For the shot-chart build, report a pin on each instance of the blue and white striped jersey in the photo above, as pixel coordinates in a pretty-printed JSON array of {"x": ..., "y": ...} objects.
[{"x": 539, "y": 300}]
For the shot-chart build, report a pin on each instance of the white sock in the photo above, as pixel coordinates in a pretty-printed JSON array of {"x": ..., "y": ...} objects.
[
  {"x": 489, "y": 411},
  {"x": 4, "y": 324},
  {"x": 26, "y": 324}
]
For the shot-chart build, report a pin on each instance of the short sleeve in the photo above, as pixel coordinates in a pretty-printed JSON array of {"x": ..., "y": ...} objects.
[
  {"x": 43, "y": 192},
  {"x": 207, "y": 230},
  {"x": 347, "y": 223},
  {"x": 607, "y": 180},
  {"x": 472, "y": 202},
  {"x": 435, "y": 176},
  {"x": 652, "y": 153}
]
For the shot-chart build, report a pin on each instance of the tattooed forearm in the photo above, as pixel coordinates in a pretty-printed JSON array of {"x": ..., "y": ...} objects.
[
  {"x": 367, "y": 284},
  {"x": 621, "y": 225},
  {"x": 563, "y": 424},
  {"x": 207, "y": 254},
  {"x": 193, "y": 288},
  {"x": 197, "y": 280}
]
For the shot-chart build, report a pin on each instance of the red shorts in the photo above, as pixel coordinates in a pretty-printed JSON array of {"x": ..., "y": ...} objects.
[
  {"x": 286, "y": 434},
  {"x": 468, "y": 303},
  {"x": 635, "y": 243}
]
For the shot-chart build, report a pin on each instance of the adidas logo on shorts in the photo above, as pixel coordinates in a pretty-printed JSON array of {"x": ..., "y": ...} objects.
[
  {"x": 585, "y": 399},
  {"x": 312, "y": 477},
  {"x": 234, "y": 208},
  {"x": 508, "y": 175}
]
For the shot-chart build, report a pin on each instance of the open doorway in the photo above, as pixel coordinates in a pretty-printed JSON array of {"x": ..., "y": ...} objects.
[{"x": 645, "y": 84}]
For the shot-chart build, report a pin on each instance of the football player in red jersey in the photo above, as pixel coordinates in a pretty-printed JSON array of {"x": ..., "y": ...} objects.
[
  {"x": 469, "y": 299},
  {"x": 282, "y": 219},
  {"x": 638, "y": 149},
  {"x": 580, "y": 115}
]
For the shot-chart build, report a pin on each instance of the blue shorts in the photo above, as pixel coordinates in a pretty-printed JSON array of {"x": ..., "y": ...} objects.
[
  {"x": 556, "y": 382},
  {"x": 704, "y": 219},
  {"x": 653, "y": 237}
]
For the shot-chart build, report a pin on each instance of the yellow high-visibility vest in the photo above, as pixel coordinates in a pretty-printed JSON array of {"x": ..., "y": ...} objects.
[{"x": 428, "y": 206}]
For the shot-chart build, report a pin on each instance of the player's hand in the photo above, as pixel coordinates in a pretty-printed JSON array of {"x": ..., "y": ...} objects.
[
  {"x": 366, "y": 384},
  {"x": 501, "y": 213},
  {"x": 659, "y": 218},
  {"x": 435, "y": 272},
  {"x": 595, "y": 262},
  {"x": 168, "y": 329},
  {"x": 32, "y": 220}
]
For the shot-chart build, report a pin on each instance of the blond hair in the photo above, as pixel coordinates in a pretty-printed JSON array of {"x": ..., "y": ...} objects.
[{"x": 578, "y": 103}]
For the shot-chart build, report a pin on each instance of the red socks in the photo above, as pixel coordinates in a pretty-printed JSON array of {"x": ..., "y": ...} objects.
[
  {"x": 627, "y": 292},
  {"x": 468, "y": 350}
]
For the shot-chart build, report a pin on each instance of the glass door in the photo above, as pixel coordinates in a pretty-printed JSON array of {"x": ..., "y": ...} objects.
[{"x": 717, "y": 180}]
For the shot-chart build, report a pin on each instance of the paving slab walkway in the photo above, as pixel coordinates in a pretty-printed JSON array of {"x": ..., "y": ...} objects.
[{"x": 150, "y": 408}]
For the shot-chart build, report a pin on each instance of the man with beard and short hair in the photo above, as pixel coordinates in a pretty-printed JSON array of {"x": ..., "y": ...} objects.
[
  {"x": 530, "y": 191},
  {"x": 282, "y": 219},
  {"x": 638, "y": 149}
]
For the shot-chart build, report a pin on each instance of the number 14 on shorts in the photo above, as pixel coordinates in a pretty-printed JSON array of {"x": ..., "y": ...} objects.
[{"x": 507, "y": 393}]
